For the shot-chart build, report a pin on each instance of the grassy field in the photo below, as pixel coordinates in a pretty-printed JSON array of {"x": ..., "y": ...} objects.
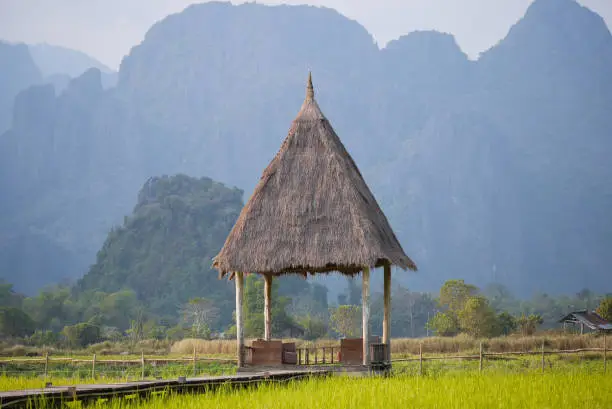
[
  {"x": 570, "y": 389},
  {"x": 468, "y": 390}
]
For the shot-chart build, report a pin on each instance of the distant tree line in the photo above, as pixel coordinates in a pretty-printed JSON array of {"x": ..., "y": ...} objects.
[{"x": 55, "y": 318}]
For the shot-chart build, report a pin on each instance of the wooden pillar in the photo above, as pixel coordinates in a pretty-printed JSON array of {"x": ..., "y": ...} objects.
[
  {"x": 239, "y": 278},
  {"x": 387, "y": 313},
  {"x": 365, "y": 307},
  {"x": 268, "y": 307}
]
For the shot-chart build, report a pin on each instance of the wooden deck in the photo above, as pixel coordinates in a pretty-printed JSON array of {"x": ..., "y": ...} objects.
[{"x": 56, "y": 396}]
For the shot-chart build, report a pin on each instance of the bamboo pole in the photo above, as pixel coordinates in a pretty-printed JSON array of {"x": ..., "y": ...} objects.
[
  {"x": 46, "y": 364},
  {"x": 239, "y": 278},
  {"x": 142, "y": 362},
  {"x": 267, "y": 307},
  {"x": 365, "y": 307},
  {"x": 543, "y": 357},
  {"x": 93, "y": 367},
  {"x": 387, "y": 312},
  {"x": 480, "y": 359},
  {"x": 195, "y": 358},
  {"x": 421, "y": 359}
]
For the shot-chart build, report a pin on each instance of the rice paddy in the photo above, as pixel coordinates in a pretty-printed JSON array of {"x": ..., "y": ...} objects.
[
  {"x": 573, "y": 389},
  {"x": 470, "y": 390}
]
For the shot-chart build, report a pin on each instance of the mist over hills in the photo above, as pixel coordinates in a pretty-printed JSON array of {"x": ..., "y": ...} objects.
[{"x": 489, "y": 170}]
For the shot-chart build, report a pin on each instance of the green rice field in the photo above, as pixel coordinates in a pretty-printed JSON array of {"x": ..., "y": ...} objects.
[
  {"x": 575, "y": 389},
  {"x": 470, "y": 390}
]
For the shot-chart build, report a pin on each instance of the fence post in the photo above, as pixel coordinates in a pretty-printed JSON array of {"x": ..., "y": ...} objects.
[
  {"x": 93, "y": 367},
  {"x": 605, "y": 353},
  {"x": 194, "y": 360},
  {"x": 323, "y": 355},
  {"x": 142, "y": 362},
  {"x": 542, "y": 356},
  {"x": 46, "y": 364},
  {"x": 421, "y": 359},
  {"x": 480, "y": 358}
]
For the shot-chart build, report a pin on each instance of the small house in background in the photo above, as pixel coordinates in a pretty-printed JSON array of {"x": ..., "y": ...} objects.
[{"x": 586, "y": 319}]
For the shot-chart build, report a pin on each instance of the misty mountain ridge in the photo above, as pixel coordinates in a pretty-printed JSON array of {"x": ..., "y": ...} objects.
[{"x": 489, "y": 170}]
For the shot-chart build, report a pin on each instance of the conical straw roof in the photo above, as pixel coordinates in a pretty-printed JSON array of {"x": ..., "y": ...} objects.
[{"x": 312, "y": 211}]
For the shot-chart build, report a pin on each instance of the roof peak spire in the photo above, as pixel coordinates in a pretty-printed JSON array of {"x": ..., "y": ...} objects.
[{"x": 309, "y": 88}]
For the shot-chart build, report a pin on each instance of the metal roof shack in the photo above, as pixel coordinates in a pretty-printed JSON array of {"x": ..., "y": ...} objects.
[{"x": 589, "y": 319}]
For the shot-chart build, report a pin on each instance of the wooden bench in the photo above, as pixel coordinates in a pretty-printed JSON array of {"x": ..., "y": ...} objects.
[
  {"x": 271, "y": 353},
  {"x": 351, "y": 350}
]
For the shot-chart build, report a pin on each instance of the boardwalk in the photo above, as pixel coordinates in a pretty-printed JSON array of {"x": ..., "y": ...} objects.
[{"x": 55, "y": 396}]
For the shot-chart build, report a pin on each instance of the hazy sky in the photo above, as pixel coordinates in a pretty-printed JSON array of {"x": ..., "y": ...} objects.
[{"x": 107, "y": 29}]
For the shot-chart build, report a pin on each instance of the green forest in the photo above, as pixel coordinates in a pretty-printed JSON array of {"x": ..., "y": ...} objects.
[{"x": 153, "y": 280}]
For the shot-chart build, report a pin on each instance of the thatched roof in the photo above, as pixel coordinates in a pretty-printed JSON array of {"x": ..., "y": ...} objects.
[{"x": 311, "y": 212}]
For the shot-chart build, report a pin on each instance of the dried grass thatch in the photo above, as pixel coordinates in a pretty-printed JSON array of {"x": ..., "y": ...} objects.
[{"x": 311, "y": 212}]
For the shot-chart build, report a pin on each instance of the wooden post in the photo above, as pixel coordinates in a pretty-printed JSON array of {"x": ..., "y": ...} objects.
[
  {"x": 387, "y": 313},
  {"x": 299, "y": 356},
  {"x": 365, "y": 307},
  {"x": 421, "y": 359},
  {"x": 605, "y": 353},
  {"x": 195, "y": 358},
  {"x": 480, "y": 363},
  {"x": 93, "y": 367},
  {"x": 323, "y": 355},
  {"x": 267, "y": 307},
  {"x": 46, "y": 364},
  {"x": 316, "y": 355},
  {"x": 239, "y": 278},
  {"x": 142, "y": 361},
  {"x": 542, "y": 356}
]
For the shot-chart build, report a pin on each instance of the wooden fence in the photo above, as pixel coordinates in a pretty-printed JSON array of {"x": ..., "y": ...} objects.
[
  {"x": 328, "y": 355},
  {"x": 94, "y": 363},
  {"x": 320, "y": 356},
  {"x": 482, "y": 355}
]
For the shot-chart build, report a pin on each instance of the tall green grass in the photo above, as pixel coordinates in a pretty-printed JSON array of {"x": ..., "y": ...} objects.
[{"x": 573, "y": 390}]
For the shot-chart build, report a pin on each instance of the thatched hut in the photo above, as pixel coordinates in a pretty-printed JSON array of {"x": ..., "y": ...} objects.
[{"x": 311, "y": 213}]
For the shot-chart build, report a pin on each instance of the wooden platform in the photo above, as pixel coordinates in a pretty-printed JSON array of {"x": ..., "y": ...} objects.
[{"x": 55, "y": 396}]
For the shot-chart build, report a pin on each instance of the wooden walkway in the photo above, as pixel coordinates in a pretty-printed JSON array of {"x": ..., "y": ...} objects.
[{"x": 56, "y": 396}]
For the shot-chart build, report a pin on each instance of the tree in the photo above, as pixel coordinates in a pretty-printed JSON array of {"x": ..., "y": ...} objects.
[
  {"x": 43, "y": 338},
  {"x": 254, "y": 308},
  {"x": 15, "y": 323},
  {"x": 506, "y": 323},
  {"x": 8, "y": 297},
  {"x": 529, "y": 324},
  {"x": 444, "y": 325},
  {"x": 346, "y": 320},
  {"x": 477, "y": 318},
  {"x": 605, "y": 308},
  {"x": 454, "y": 294},
  {"x": 200, "y": 314},
  {"x": 314, "y": 327},
  {"x": 81, "y": 335},
  {"x": 50, "y": 308}
]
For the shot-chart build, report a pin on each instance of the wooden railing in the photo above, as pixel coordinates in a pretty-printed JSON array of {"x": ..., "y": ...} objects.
[
  {"x": 482, "y": 355},
  {"x": 317, "y": 355}
]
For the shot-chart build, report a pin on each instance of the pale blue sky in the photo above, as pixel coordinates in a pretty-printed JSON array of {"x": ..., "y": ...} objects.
[{"x": 107, "y": 29}]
